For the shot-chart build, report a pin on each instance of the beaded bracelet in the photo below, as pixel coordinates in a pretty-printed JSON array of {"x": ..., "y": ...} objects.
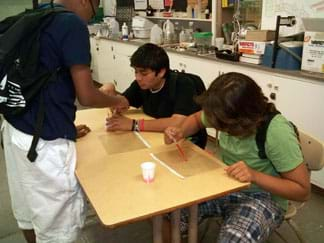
[
  {"x": 136, "y": 127},
  {"x": 141, "y": 124},
  {"x": 133, "y": 125}
]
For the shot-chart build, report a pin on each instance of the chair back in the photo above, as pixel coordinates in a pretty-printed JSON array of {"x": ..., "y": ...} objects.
[{"x": 313, "y": 151}]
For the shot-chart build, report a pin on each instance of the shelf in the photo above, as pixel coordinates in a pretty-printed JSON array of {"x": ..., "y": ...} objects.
[{"x": 177, "y": 18}]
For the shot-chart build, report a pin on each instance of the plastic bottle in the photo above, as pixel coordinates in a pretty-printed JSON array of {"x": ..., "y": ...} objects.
[
  {"x": 189, "y": 11},
  {"x": 176, "y": 32},
  {"x": 114, "y": 28},
  {"x": 198, "y": 14},
  {"x": 206, "y": 13},
  {"x": 183, "y": 36},
  {"x": 168, "y": 32},
  {"x": 124, "y": 31},
  {"x": 197, "y": 11},
  {"x": 149, "y": 11},
  {"x": 190, "y": 31},
  {"x": 156, "y": 35}
]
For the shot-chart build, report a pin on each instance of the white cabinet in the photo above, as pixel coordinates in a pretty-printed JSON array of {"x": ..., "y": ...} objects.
[
  {"x": 110, "y": 62},
  {"x": 101, "y": 60},
  {"x": 208, "y": 70},
  {"x": 124, "y": 73},
  {"x": 106, "y": 58},
  {"x": 94, "y": 48}
]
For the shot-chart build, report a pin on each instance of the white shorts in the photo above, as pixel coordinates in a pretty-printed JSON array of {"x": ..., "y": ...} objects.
[{"x": 45, "y": 194}]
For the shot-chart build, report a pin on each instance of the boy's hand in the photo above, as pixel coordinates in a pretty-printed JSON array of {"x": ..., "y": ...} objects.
[
  {"x": 118, "y": 122},
  {"x": 82, "y": 130},
  {"x": 108, "y": 89},
  {"x": 122, "y": 106},
  {"x": 241, "y": 172}
]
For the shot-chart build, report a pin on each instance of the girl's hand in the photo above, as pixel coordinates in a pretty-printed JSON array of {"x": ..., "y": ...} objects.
[
  {"x": 241, "y": 172},
  {"x": 172, "y": 134}
]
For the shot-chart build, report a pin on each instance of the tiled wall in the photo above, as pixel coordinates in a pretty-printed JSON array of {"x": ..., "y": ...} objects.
[{"x": 11, "y": 7}]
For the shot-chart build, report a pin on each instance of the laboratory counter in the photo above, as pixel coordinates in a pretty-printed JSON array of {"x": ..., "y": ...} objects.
[{"x": 296, "y": 73}]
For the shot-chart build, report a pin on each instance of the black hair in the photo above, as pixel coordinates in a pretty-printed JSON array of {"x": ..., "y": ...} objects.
[
  {"x": 150, "y": 56},
  {"x": 235, "y": 104}
]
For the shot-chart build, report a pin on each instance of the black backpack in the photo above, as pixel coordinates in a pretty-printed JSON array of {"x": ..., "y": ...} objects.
[
  {"x": 195, "y": 79},
  {"x": 261, "y": 133},
  {"x": 21, "y": 77}
]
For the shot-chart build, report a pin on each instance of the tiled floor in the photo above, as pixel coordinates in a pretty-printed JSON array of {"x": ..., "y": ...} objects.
[{"x": 310, "y": 219}]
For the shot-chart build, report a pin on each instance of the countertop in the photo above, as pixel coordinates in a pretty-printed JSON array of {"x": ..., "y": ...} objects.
[{"x": 295, "y": 73}]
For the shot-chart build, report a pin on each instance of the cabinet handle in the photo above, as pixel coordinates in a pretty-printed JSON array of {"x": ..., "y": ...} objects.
[
  {"x": 273, "y": 96},
  {"x": 97, "y": 48}
]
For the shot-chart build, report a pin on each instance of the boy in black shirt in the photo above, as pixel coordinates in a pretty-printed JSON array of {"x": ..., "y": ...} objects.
[{"x": 163, "y": 94}]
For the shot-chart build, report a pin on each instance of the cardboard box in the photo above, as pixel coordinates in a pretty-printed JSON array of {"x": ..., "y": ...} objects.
[
  {"x": 313, "y": 52},
  {"x": 260, "y": 35},
  {"x": 313, "y": 48},
  {"x": 252, "y": 47}
]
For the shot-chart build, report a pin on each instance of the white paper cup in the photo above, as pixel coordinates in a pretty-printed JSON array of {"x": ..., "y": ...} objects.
[
  {"x": 148, "y": 171},
  {"x": 219, "y": 42}
]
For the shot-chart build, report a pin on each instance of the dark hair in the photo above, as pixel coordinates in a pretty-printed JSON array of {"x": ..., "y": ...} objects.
[
  {"x": 235, "y": 104},
  {"x": 150, "y": 56}
]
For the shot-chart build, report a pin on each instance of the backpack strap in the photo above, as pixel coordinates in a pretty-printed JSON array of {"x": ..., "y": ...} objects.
[
  {"x": 261, "y": 134},
  {"x": 32, "y": 153}
]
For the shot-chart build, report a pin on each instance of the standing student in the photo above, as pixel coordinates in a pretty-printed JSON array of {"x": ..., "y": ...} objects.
[
  {"x": 163, "y": 94},
  {"x": 235, "y": 105},
  {"x": 47, "y": 200}
]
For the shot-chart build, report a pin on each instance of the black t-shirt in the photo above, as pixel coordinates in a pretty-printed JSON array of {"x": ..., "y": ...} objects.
[{"x": 176, "y": 97}]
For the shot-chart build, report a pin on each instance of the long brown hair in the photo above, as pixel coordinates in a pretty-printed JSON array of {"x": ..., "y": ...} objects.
[{"x": 235, "y": 104}]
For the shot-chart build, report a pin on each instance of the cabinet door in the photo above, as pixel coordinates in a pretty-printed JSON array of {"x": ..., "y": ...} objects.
[
  {"x": 263, "y": 79},
  {"x": 123, "y": 73},
  {"x": 302, "y": 102},
  {"x": 105, "y": 62},
  {"x": 207, "y": 70},
  {"x": 94, "y": 49}
]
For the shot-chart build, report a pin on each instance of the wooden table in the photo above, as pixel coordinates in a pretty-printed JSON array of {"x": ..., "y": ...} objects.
[{"x": 114, "y": 185}]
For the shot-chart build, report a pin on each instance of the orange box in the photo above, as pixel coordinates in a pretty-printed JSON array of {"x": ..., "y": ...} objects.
[{"x": 252, "y": 47}]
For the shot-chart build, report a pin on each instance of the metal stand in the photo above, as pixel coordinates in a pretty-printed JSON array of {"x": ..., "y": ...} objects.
[{"x": 281, "y": 21}]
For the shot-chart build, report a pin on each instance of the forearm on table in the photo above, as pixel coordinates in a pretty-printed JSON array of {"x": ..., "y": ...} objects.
[
  {"x": 192, "y": 124},
  {"x": 293, "y": 189},
  {"x": 160, "y": 124}
]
